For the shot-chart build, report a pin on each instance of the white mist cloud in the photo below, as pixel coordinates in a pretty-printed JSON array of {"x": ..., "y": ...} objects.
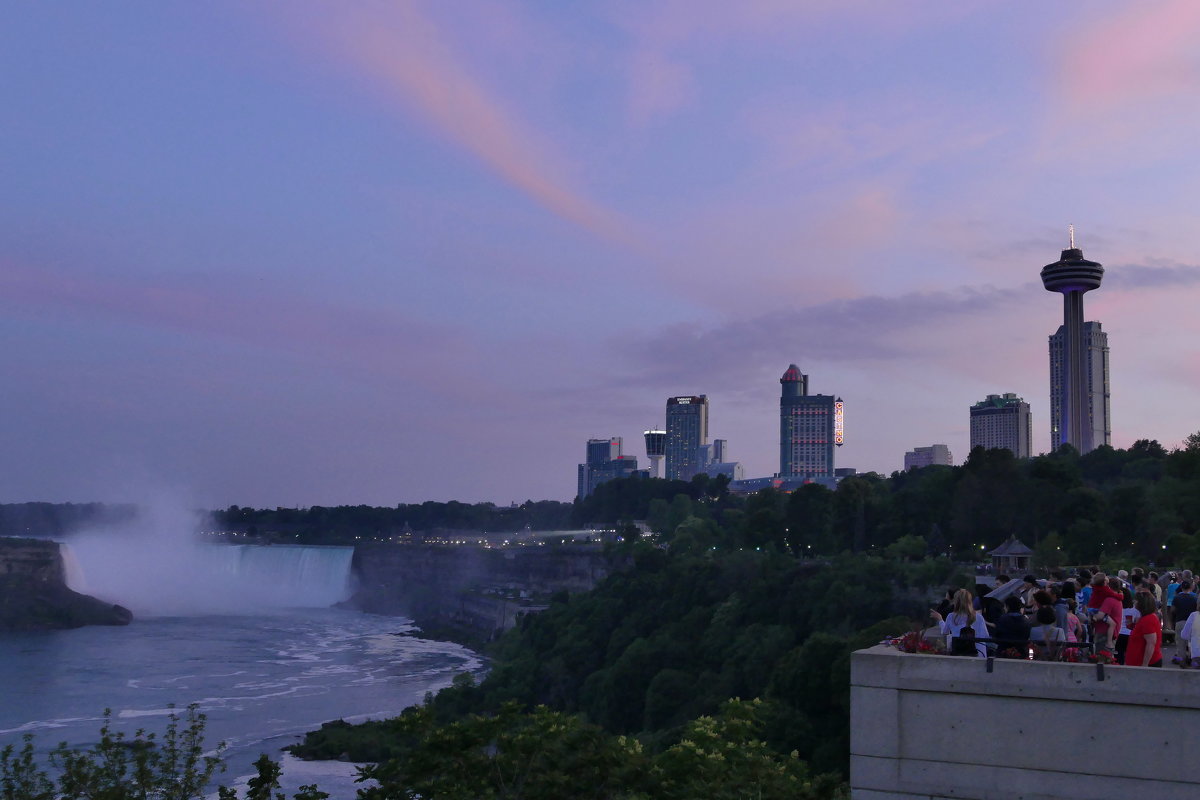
[{"x": 159, "y": 565}]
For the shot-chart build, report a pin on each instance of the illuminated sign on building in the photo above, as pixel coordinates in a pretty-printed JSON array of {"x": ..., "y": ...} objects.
[{"x": 838, "y": 428}]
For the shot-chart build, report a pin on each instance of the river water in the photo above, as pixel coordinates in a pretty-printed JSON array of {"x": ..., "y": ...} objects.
[
  {"x": 262, "y": 679},
  {"x": 220, "y": 627}
]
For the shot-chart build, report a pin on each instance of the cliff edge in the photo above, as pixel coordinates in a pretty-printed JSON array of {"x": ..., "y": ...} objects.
[{"x": 34, "y": 594}]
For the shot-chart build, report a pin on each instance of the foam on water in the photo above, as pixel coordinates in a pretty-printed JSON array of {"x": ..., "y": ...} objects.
[{"x": 338, "y": 664}]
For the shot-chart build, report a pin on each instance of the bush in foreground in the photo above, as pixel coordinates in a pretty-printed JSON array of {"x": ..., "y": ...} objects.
[{"x": 144, "y": 767}]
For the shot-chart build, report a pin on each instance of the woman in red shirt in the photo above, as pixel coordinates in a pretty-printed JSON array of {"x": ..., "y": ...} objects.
[{"x": 1145, "y": 642}]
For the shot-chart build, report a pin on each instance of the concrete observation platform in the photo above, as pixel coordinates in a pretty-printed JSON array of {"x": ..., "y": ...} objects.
[{"x": 926, "y": 726}]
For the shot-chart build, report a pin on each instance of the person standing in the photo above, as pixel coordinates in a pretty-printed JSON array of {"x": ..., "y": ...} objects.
[
  {"x": 1029, "y": 585},
  {"x": 1085, "y": 590},
  {"x": 1145, "y": 641},
  {"x": 1047, "y": 636},
  {"x": 1189, "y": 636},
  {"x": 1075, "y": 631},
  {"x": 1012, "y": 629},
  {"x": 1182, "y": 607},
  {"x": 1059, "y": 594},
  {"x": 1168, "y": 613},
  {"x": 1156, "y": 587},
  {"x": 1185, "y": 601},
  {"x": 963, "y": 616},
  {"x": 1107, "y": 612},
  {"x": 1129, "y": 618}
]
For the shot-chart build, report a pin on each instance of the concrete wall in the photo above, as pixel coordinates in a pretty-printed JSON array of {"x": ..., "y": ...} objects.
[{"x": 943, "y": 727}]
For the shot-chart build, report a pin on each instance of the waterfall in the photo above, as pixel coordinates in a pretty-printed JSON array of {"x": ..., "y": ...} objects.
[
  {"x": 170, "y": 575},
  {"x": 72, "y": 571},
  {"x": 296, "y": 575}
]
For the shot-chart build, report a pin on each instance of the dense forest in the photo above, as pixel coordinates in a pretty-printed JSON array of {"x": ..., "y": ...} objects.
[{"x": 657, "y": 651}]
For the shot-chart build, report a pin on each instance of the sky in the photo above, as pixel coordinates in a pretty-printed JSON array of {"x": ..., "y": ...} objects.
[{"x": 308, "y": 253}]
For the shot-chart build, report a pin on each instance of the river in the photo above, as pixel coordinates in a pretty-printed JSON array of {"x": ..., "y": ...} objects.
[
  {"x": 263, "y": 670},
  {"x": 261, "y": 679}
]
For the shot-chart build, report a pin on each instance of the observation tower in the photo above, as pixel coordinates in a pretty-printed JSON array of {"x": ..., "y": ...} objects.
[
  {"x": 1073, "y": 275},
  {"x": 656, "y": 448}
]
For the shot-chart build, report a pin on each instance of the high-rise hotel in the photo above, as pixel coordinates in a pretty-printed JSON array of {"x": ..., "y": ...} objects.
[
  {"x": 604, "y": 463},
  {"x": 1098, "y": 423},
  {"x": 931, "y": 456},
  {"x": 687, "y": 429},
  {"x": 1002, "y": 421},
  {"x": 810, "y": 426}
]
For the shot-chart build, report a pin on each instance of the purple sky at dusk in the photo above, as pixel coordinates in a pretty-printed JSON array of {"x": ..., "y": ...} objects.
[{"x": 315, "y": 253}]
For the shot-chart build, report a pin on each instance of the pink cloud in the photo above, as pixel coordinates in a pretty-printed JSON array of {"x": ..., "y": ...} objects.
[
  {"x": 404, "y": 54},
  {"x": 1126, "y": 86},
  {"x": 669, "y": 36},
  {"x": 1145, "y": 51}
]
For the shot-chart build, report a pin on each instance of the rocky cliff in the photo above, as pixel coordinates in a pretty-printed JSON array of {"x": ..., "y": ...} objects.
[
  {"x": 480, "y": 590},
  {"x": 34, "y": 594}
]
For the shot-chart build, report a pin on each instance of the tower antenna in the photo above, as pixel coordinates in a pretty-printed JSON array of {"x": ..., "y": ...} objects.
[{"x": 1071, "y": 229}]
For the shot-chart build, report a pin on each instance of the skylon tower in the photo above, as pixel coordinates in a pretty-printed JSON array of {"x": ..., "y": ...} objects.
[{"x": 1073, "y": 275}]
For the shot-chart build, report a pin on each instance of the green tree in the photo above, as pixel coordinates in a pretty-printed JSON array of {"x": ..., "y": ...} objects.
[
  {"x": 724, "y": 757},
  {"x": 809, "y": 521},
  {"x": 540, "y": 755},
  {"x": 175, "y": 766},
  {"x": 907, "y": 548}
]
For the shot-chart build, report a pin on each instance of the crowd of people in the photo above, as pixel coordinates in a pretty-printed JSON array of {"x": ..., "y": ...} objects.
[{"x": 1119, "y": 618}]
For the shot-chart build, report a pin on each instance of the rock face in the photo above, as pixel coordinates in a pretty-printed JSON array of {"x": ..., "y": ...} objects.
[
  {"x": 34, "y": 594},
  {"x": 478, "y": 590}
]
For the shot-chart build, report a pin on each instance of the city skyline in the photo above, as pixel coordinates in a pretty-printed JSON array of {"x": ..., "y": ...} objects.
[{"x": 311, "y": 254}]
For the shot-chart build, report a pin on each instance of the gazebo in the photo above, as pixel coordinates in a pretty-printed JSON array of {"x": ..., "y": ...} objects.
[{"x": 1011, "y": 558}]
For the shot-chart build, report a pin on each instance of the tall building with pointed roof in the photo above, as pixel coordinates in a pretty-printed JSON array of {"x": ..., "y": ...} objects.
[{"x": 809, "y": 428}]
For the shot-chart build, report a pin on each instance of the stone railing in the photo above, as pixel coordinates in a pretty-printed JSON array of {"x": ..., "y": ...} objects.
[{"x": 929, "y": 726}]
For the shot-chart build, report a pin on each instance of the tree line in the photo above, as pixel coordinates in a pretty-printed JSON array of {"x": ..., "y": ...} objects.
[
  {"x": 315, "y": 524},
  {"x": 1140, "y": 504},
  {"x": 327, "y": 524},
  {"x": 43, "y": 520}
]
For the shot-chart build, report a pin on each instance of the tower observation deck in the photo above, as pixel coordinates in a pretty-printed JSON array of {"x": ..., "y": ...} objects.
[
  {"x": 656, "y": 448},
  {"x": 1072, "y": 275}
]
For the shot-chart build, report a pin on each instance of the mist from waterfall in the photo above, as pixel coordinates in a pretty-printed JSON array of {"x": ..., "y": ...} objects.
[{"x": 158, "y": 565}]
